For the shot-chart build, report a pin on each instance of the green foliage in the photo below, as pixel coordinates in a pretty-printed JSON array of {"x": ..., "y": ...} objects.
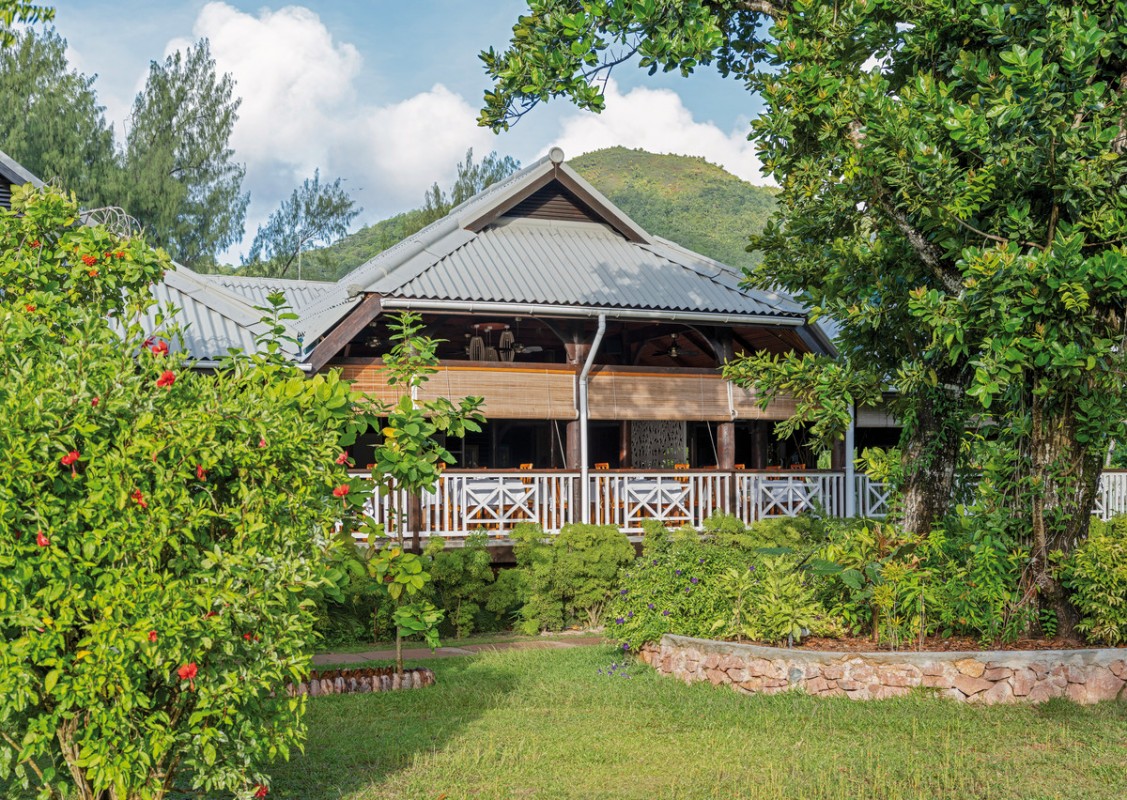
[
  {"x": 314, "y": 214},
  {"x": 164, "y": 529},
  {"x": 463, "y": 581},
  {"x": 715, "y": 589},
  {"x": 419, "y": 618},
  {"x": 181, "y": 180},
  {"x": 772, "y": 532},
  {"x": 569, "y": 576},
  {"x": 50, "y": 120},
  {"x": 1096, "y": 574},
  {"x": 22, "y": 11}
]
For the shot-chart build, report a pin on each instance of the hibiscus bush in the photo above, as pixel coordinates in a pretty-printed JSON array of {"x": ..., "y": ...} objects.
[{"x": 161, "y": 530}]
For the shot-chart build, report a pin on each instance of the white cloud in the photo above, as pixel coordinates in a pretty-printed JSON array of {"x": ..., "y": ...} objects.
[
  {"x": 657, "y": 120},
  {"x": 302, "y": 108}
]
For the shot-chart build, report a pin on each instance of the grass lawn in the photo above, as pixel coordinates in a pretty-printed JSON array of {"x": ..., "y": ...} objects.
[{"x": 544, "y": 724}]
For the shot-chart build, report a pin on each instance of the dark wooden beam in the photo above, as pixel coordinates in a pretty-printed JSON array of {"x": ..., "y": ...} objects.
[{"x": 339, "y": 337}]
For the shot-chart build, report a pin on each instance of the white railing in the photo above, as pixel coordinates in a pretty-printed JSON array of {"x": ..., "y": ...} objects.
[
  {"x": 788, "y": 494},
  {"x": 628, "y": 499},
  {"x": 496, "y": 501}
]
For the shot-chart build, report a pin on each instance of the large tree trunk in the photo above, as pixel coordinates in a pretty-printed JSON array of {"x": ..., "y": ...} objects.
[
  {"x": 930, "y": 457},
  {"x": 1066, "y": 476}
]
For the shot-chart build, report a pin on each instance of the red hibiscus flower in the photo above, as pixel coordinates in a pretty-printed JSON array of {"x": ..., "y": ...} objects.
[
  {"x": 247, "y": 636},
  {"x": 95, "y": 401},
  {"x": 119, "y": 254},
  {"x": 93, "y": 273},
  {"x": 159, "y": 349},
  {"x": 342, "y": 458},
  {"x": 41, "y": 540},
  {"x": 152, "y": 636},
  {"x": 166, "y": 379},
  {"x": 34, "y": 243},
  {"x": 341, "y": 490},
  {"x": 260, "y": 791},
  {"x": 139, "y": 498},
  {"x": 201, "y": 473},
  {"x": 262, "y": 443},
  {"x": 29, "y": 308},
  {"x": 188, "y": 673},
  {"x": 89, "y": 260},
  {"x": 70, "y": 458}
]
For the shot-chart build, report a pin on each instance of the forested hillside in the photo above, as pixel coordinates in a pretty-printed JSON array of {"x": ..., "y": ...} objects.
[{"x": 685, "y": 199}]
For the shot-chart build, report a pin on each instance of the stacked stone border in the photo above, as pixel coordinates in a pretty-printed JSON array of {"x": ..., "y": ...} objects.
[
  {"x": 363, "y": 680},
  {"x": 987, "y": 676}
]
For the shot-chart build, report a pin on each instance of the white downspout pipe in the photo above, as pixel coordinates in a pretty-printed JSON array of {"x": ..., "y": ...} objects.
[
  {"x": 584, "y": 377},
  {"x": 850, "y": 456}
]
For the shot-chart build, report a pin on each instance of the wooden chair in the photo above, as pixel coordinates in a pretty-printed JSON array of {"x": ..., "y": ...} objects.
[
  {"x": 527, "y": 465},
  {"x": 680, "y": 466},
  {"x": 602, "y": 465},
  {"x": 739, "y": 466}
]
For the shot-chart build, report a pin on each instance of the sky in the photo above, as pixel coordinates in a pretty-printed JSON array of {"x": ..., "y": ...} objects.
[{"x": 385, "y": 93}]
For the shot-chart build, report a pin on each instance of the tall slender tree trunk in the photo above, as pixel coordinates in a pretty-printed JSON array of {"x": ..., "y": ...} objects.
[
  {"x": 930, "y": 459},
  {"x": 1065, "y": 477}
]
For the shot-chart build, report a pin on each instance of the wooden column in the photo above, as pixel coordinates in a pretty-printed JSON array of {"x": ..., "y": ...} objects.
[
  {"x": 624, "y": 445},
  {"x": 726, "y": 446},
  {"x": 837, "y": 455},
  {"x": 571, "y": 457},
  {"x": 759, "y": 444}
]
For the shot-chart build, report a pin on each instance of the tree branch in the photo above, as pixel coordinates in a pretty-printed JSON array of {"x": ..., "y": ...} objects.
[
  {"x": 927, "y": 252},
  {"x": 995, "y": 238}
]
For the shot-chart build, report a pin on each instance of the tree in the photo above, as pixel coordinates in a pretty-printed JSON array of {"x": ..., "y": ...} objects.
[
  {"x": 472, "y": 179},
  {"x": 164, "y": 529},
  {"x": 182, "y": 181},
  {"x": 50, "y": 120},
  {"x": 951, "y": 179},
  {"x": 315, "y": 214}
]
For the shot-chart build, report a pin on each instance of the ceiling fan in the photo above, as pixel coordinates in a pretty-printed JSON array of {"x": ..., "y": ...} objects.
[{"x": 675, "y": 350}]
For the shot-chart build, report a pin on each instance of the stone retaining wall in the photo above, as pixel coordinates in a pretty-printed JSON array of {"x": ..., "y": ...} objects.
[
  {"x": 362, "y": 680},
  {"x": 988, "y": 676}
]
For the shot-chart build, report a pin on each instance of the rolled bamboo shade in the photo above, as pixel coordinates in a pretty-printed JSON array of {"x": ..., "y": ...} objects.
[
  {"x": 747, "y": 407},
  {"x": 639, "y": 395},
  {"x": 510, "y": 392}
]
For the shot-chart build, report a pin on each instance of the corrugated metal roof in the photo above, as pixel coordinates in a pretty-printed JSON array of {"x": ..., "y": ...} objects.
[
  {"x": 213, "y": 319},
  {"x": 578, "y": 264},
  {"x": 299, "y": 294}
]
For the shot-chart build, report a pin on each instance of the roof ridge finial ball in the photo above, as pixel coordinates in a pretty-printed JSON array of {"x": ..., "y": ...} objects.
[{"x": 556, "y": 155}]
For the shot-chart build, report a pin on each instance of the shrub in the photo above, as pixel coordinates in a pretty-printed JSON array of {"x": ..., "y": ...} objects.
[
  {"x": 163, "y": 529},
  {"x": 463, "y": 579},
  {"x": 570, "y": 576},
  {"x": 710, "y": 589},
  {"x": 1096, "y": 574}
]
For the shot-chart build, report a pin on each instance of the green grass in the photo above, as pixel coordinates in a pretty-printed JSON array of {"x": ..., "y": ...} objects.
[{"x": 543, "y": 724}]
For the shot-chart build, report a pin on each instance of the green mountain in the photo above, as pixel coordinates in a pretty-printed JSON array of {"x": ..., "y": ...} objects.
[{"x": 682, "y": 198}]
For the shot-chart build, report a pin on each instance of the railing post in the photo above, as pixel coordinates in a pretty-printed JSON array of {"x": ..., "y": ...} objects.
[{"x": 850, "y": 455}]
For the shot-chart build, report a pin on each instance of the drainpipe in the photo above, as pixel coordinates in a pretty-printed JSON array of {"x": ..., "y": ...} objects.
[
  {"x": 584, "y": 377},
  {"x": 850, "y": 455}
]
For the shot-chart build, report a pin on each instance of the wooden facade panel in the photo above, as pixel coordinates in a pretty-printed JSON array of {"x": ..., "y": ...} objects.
[{"x": 747, "y": 406}]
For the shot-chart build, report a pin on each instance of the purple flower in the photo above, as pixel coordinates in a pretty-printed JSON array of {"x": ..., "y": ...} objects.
[
  {"x": 626, "y": 647},
  {"x": 623, "y": 592},
  {"x": 630, "y": 615},
  {"x": 655, "y": 562},
  {"x": 688, "y": 590},
  {"x": 676, "y": 572},
  {"x": 751, "y": 568},
  {"x": 620, "y": 620},
  {"x": 694, "y": 581},
  {"x": 650, "y": 606},
  {"x": 701, "y": 561},
  {"x": 665, "y": 613}
]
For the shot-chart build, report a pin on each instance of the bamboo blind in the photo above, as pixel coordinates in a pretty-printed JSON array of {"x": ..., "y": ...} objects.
[
  {"x": 879, "y": 417},
  {"x": 657, "y": 396},
  {"x": 747, "y": 407},
  {"x": 525, "y": 392}
]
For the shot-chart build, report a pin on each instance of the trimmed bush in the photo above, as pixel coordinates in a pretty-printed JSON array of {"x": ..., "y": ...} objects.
[{"x": 1096, "y": 574}]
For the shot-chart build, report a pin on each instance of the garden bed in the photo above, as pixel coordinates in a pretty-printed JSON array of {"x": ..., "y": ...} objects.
[{"x": 976, "y": 676}]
